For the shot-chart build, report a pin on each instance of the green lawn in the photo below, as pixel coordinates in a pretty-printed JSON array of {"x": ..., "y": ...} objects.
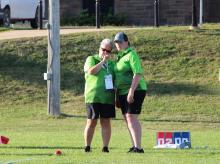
[
  {"x": 35, "y": 140},
  {"x": 181, "y": 69},
  {"x": 3, "y": 29}
]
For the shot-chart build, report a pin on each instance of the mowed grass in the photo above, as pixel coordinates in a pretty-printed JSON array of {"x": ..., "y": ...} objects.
[
  {"x": 181, "y": 69},
  {"x": 3, "y": 29},
  {"x": 36, "y": 141},
  {"x": 180, "y": 66}
]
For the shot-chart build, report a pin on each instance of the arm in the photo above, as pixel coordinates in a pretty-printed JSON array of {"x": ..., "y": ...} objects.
[
  {"x": 134, "y": 84},
  {"x": 96, "y": 68},
  {"x": 136, "y": 68}
]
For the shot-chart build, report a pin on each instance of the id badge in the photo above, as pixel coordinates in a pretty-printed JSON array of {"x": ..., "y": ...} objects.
[{"x": 108, "y": 82}]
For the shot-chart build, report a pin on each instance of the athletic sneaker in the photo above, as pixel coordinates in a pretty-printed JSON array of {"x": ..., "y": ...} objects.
[
  {"x": 136, "y": 150},
  {"x": 87, "y": 149},
  {"x": 131, "y": 150},
  {"x": 105, "y": 149}
]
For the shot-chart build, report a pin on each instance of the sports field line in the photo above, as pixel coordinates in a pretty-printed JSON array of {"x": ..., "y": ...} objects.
[{"x": 17, "y": 161}]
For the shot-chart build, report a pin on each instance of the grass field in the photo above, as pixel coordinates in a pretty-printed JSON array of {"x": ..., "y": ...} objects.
[
  {"x": 35, "y": 141},
  {"x": 3, "y": 29},
  {"x": 181, "y": 69}
]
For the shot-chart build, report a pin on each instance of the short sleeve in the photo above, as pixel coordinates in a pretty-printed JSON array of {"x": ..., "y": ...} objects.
[
  {"x": 135, "y": 63},
  {"x": 89, "y": 63}
]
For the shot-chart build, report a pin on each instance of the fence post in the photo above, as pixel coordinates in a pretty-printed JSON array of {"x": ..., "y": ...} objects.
[
  {"x": 201, "y": 13},
  {"x": 40, "y": 15},
  {"x": 156, "y": 13},
  {"x": 194, "y": 17},
  {"x": 97, "y": 14}
]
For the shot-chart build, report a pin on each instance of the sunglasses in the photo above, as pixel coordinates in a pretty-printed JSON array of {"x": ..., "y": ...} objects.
[{"x": 105, "y": 50}]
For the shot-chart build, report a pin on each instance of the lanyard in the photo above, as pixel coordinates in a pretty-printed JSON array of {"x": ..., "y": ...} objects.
[{"x": 105, "y": 66}]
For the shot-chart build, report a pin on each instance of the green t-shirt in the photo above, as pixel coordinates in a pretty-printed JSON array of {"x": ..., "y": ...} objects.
[
  {"x": 95, "y": 91},
  {"x": 128, "y": 64}
]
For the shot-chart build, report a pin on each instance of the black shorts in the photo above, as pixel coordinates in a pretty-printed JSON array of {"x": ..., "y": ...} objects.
[
  {"x": 96, "y": 110},
  {"x": 135, "y": 107}
]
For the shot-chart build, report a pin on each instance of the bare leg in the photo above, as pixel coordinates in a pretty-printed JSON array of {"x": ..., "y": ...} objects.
[
  {"x": 132, "y": 142},
  {"x": 134, "y": 128},
  {"x": 106, "y": 130},
  {"x": 89, "y": 131}
]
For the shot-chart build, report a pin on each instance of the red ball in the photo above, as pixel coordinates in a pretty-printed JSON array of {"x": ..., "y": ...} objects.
[{"x": 58, "y": 152}]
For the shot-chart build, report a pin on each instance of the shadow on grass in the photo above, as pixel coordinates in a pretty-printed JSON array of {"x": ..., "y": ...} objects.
[
  {"x": 210, "y": 32},
  {"x": 64, "y": 115},
  {"x": 195, "y": 151},
  {"x": 40, "y": 147},
  {"x": 171, "y": 120},
  {"x": 27, "y": 154},
  {"x": 180, "y": 121},
  {"x": 29, "y": 70},
  {"x": 174, "y": 88},
  {"x": 36, "y": 147}
]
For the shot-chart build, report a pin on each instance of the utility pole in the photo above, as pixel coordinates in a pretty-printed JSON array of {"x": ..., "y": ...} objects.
[
  {"x": 53, "y": 67},
  {"x": 97, "y": 13},
  {"x": 201, "y": 13}
]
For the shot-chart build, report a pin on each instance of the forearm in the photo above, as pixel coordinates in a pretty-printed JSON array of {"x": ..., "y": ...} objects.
[
  {"x": 135, "y": 82},
  {"x": 96, "y": 68}
]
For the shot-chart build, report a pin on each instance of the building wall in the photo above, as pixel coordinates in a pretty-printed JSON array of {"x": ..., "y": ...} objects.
[
  {"x": 176, "y": 12},
  {"x": 171, "y": 12},
  {"x": 212, "y": 8},
  {"x": 141, "y": 12},
  {"x": 69, "y": 8}
]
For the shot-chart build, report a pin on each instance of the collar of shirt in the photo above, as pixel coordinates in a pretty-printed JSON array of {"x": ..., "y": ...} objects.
[{"x": 123, "y": 52}]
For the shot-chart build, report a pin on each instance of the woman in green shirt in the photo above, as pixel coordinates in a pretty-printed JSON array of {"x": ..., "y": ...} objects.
[
  {"x": 99, "y": 94},
  {"x": 131, "y": 88}
]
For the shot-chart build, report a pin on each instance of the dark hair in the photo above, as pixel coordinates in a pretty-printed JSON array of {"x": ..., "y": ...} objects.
[{"x": 125, "y": 37}]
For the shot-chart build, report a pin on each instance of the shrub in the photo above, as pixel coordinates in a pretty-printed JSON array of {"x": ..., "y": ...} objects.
[{"x": 84, "y": 19}]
